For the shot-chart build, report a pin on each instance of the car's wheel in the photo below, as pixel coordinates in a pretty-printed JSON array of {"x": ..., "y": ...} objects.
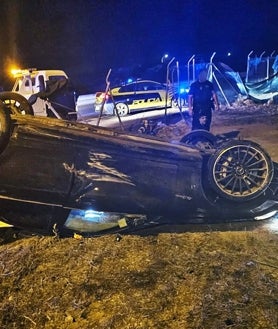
[
  {"x": 5, "y": 126},
  {"x": 122, "y": 109},
  {"x": 240, "y": 170},
  {"x": 200, "y": 138},
  {"x": 16, "y": 103}
]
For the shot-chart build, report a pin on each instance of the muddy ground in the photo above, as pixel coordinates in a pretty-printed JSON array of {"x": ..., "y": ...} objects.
[{"x": 197, "y": 280}]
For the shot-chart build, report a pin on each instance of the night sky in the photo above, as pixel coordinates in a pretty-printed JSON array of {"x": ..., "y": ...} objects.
[{"x": 87, "y": 37}]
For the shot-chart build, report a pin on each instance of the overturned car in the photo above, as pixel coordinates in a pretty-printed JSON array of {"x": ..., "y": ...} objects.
[{"x": 51, "y": 168}]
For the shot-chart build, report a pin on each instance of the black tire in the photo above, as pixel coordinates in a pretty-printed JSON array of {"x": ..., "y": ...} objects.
[
  {"x": 16, "y": 103},
  {"x": 240, "y": 171},
  {"x": 200, "y": 138},
  {"x": 122, "y": 109},
  {"x": 5, "y": 126}
]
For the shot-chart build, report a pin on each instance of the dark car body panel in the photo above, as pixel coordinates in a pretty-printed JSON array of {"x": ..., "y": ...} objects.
[
  {"x": 58, "y": 164},
  {"x": 51, "y": 166}
]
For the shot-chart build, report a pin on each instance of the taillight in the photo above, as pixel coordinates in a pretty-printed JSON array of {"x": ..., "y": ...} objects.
[{"x": 102, "y": 95}]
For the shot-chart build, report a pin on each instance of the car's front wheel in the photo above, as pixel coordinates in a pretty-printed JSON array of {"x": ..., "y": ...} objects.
[
  {"x": 240, "y": 171},
  {"x": 122, "y": 109},
  {"x": 200, "y": 138},
  {"x": 16, "y": 103}
]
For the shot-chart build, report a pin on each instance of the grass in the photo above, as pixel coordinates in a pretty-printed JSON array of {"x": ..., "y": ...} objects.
[{"x": 189, "y": 280}]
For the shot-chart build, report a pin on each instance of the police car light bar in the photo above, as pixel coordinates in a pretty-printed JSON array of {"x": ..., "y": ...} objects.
[{"x": 19, "y": 72}]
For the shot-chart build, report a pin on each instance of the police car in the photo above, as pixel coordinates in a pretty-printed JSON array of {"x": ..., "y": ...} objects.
[{"x": 136, "y": 96}]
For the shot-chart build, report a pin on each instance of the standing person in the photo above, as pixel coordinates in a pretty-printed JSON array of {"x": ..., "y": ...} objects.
[{"x": 202, "y": 99}]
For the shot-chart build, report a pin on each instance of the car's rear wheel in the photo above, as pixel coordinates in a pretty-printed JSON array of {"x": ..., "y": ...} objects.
[
  {"x": 200, "y": 138},
  {"x": 16, "y": 103},
  {"x": 240, "y": 171},
  {"x": 5, "y": 126},
  {"x": 122, "y": 109}
]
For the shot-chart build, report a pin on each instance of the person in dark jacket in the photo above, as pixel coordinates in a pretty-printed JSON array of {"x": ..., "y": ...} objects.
[{"x": 202, "y": 100}]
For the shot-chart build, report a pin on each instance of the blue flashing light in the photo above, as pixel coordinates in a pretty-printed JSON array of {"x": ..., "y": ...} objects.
[
  {"x": 229, "y": 54},
  {"x": 184, "y": 90},
  {"x": 129, "y": 80}
]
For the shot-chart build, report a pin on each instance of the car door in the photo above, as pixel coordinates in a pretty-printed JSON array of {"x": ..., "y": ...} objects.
[
  {"x": 33, "y": 165},
  {"x": 148, "y": 95},
  {"x": 125, "y": 94}
]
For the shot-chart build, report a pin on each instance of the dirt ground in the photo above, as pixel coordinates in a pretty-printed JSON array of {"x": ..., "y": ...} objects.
[
  {"x": 257, "y": 123},
  {"x": 197, "y": 280},
  {"x": 259, "y": 126}
]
